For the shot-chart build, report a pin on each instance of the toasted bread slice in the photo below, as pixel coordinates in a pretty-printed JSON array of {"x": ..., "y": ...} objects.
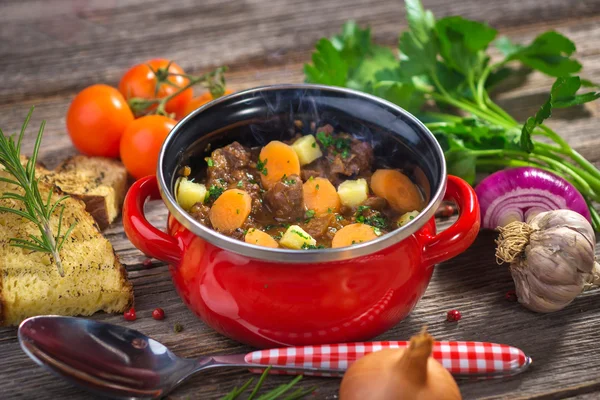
[
  {"x": 30, "y": 284},
  {"x": 100, "y": 182}
]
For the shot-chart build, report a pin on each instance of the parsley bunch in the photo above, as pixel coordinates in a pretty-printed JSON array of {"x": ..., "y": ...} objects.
[{"x": 445, "y": 63}]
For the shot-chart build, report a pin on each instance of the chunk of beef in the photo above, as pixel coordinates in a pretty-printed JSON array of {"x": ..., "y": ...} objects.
[
  {"x": 286, "y": 199},
  {"x": 226, "y": 160},
  {"x": 200, "y": 213},
  {"x": 327, "y": 129},
  {"x": 317, "y": 226},
  {"x": 247, "y": 180},
  {"x": 375, "y": 203},
  {"x": 357, "y": 160},
  {"x": 317, "y": 168}
]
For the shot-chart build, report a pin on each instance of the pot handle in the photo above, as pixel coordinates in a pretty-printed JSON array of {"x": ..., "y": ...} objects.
[
  {"x": 147, "y": 238},
  {"x": 458, "y": 237}
]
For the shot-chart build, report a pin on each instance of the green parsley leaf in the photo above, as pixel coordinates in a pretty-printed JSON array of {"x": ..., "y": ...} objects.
[
  {"x": 213, "y": 193},
  {"x": 306, "y": 246},
  {"x": 210, "y": 162},
  {"x": 549, "y": 53},
  {"x": 563, "y": 94},
  {"x": 310, "y": 214},
  {"x": 261, "y": 166},
  {"x": 240, "y": 184},
  {"x": 462, "y": 44},
  {"x": 339, "y": 217},
  {"x": 329, "y": 68}
]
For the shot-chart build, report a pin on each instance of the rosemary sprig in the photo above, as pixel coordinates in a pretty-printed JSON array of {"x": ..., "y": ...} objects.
[
  {"x": 36, "y": 209},
  {"x": 273, "y": 394}
]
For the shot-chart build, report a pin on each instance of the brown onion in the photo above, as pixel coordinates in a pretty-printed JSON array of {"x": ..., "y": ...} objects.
[{"x": 400, "y": 374}]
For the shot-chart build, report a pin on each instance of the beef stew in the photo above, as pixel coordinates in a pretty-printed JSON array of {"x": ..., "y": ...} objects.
[{"x": 316, "y": 190}]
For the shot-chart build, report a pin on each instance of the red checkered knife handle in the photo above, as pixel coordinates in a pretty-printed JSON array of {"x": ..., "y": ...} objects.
[{"x": 468, "y": 359}]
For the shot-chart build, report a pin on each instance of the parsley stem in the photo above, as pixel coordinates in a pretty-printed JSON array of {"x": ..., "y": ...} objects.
[
  {"x": 473, "y": 110},
  {"x": 500, "y": 111},
  {"x": 482, "y": 79},
  {"x": 567, "y": 150}
]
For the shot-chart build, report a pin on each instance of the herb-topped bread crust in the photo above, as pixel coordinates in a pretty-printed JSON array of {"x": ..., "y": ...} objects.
[
  {"x": 100, "y": 182},
  {"x": 30, "y": 284}
]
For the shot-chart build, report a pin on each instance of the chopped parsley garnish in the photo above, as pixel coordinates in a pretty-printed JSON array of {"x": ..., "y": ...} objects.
[
  {"x": 377, "y": 230},
  {"x": 329, "y": 210},
  {"x": 261, "y": 166},
  {"x": 306, "y": 246},
  {"x": 339, "y": 217},
  {"x": 269, "y": 227},
  {"x": 375, "y": 220},
  {"x": 339, "y": 144},
  {"x": 314, "y": 145},
  {"x": 309, "y": 215},
  {"x": 222, "y": 181},
  {"x": 302, "y": 235},
  {"x": 237, "y": 211},
  {"x": 325, "y": 139},
  {"x": 213, "y": 193},
  {"x": 278, "y": 236},
  {"x": 360, "y": 209},
  {"x": 287, "y": 181},
  {"x": 240, "y": 184},
  {"x": 317, "y": 186},
  {"x": 312, "y": 178},
  {"x": 210, "y": 162}
]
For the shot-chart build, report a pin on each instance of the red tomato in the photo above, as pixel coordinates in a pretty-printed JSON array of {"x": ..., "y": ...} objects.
[
  {"x": 96, "y": 119},
  {"x": 141, "y": 144},
  {"x": 139, "y": 81},
  {"x": 201, "y": 100}
]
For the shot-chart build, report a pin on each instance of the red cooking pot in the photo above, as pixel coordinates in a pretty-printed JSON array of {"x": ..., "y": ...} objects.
[{"x": 271, "y": 297}]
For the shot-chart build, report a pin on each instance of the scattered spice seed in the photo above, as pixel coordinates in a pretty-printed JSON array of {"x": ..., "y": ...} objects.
[
  {"x": 158, "y": 314},
  {"x": 147, "y": 262},
  {"x": 130, "y": 315},
  {"x": 453, "y": 316},
  {"x": 178, "y": 327},
  {"x": 445, "y": 211},
  {"x": 511, "y": 295}
]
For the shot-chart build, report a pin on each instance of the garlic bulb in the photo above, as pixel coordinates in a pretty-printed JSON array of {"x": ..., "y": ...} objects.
[{"x": 552, "y": 258}]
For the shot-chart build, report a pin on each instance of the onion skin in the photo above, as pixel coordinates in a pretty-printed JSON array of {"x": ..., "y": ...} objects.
[
  {"x": 555, "y": 262},
  {"x": 516, "y": 194},
  {"x": 400, "y": 374}
]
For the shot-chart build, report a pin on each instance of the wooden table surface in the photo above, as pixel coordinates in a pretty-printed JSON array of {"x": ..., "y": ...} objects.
[{"x": 51, "y": 49}]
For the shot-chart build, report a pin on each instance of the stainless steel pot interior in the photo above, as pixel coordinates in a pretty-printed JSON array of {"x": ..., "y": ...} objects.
[{"x": 256, "y": 116}]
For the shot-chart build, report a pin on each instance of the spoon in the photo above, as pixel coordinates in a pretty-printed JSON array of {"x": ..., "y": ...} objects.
[{"x": 119, "y": 362}]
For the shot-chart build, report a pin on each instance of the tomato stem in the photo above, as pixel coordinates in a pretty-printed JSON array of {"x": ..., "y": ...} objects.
[{"x": 215, "y": 82}]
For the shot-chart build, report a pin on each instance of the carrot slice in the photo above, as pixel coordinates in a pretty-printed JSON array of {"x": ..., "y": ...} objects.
[
  {"x": 230, "y": 210},
  {"x": 321, "y": 196},
  {"x": 353, "y": 234},
  {"x": 397, "y": 189},
  {"x": 260, "y": 238},
  {"x": 277, "y": 159}
]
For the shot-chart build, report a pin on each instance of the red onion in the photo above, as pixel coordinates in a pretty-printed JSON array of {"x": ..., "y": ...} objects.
[{"x": 517, "y": 194}]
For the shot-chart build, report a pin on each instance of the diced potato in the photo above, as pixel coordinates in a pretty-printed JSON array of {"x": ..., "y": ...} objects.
[
  {"x": 353, "y": 193},
  {"x": 189, "y": 193},
  {"x": 307, "y": 149},
  {"x": 407, "y": 217},
  {"x": 295, "y": 238}
]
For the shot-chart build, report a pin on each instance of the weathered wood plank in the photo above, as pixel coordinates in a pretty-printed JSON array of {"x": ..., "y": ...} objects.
[{"x": 73, "y": 44}]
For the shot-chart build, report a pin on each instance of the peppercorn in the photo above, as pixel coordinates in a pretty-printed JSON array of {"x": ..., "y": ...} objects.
[
  {"x": 453, "y": 316},
  {"x": 158, "y": 314},
  {"x": 130, "y": 314}
]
